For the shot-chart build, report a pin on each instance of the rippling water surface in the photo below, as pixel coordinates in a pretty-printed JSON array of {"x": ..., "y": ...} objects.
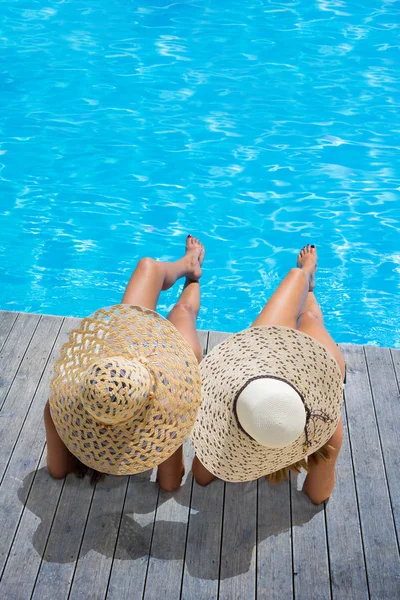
[{"x": 259, "y": 126}]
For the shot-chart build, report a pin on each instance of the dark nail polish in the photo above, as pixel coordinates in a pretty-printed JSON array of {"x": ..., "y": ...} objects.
[{"x": 312, "y": 246}]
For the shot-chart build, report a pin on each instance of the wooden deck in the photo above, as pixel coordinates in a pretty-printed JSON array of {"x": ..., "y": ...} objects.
[{"x": 125, "y": 539}]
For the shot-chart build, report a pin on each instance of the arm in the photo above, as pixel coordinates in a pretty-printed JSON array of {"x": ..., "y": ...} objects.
[
  {"x": 320, "y": 479},
  {"x": 60, "y": 461}
]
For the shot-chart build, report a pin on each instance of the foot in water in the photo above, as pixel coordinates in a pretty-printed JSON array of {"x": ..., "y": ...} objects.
[
  {"x": 194, "y": 256},
  {"x": 307, "y": 260}
]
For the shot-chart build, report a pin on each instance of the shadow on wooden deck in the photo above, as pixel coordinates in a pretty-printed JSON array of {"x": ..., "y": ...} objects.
[{"x": 133, "y": 538}]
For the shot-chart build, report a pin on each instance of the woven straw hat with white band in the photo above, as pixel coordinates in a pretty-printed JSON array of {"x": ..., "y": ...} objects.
[
  {"x": 271, "y": 396},
  {"x": 126, "y": 390}
]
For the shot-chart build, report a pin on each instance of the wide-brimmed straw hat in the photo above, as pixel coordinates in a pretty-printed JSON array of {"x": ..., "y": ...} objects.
[
  {"x": 126, "y": 390},
  {"x": 271, "y": 396}
]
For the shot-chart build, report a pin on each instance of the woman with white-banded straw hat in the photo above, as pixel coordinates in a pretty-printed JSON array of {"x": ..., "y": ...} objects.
[
  {"x": 126, "y": 387},
  {"x": 272, "y": 394}
]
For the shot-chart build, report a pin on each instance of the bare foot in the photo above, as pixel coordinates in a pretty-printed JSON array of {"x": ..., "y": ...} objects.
[
  {"x": 307, "y": 260},
  {"x": 194, "y": 256}
]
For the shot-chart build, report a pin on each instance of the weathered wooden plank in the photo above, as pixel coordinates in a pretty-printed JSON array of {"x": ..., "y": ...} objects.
[
  {"x": 395, "y": 353},
  {"x": 98, "y": 545},
  {"x": 201, "y": 569},
  {"x": 169, "y": 538},
  {"x": 23, "y": 388},
  {"x": 71, "y": 323},
  {"x": 203, "y": 339},
  {"x": 29, "y": 544},
  {"x": 215, "y": 338},
  {"x": 385, "y": 394},
  {"x": 130, "y": 563},
  {"x": 238, "y": 562},
  {"x": 60, "y": 555},
  {"x": 274, "y": 551},
  {"x": 377, "y": 526},
  {"x": 310, "y": 551},
  {"x": 168, "y": 542},
  {"x": 14, "y": 349},
  {"x": 25, "y": 457},
  {"x": 239, "y": 536},
  {"x": 203, "y": 549},
  {"x": 129, "y": 569},
  {"x": 346, "y": 555},
  {"x": 7, "y": 320}
]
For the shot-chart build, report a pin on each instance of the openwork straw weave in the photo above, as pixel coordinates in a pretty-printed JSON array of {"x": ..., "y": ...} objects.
[
  {"x": 223, "y": 447},
  {"x": 125, "y": 391}
]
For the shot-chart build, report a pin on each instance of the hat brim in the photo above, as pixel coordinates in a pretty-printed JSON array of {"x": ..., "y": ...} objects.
[
  {"x": 134, "y": 446},
  {"x": 222, "y": 446}
]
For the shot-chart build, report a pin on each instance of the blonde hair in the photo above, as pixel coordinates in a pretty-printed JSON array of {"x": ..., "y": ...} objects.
[{"x": 305, "y": 463}]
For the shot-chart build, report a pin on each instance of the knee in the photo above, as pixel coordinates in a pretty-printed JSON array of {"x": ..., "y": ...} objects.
[
  {"x": 201, "y": 475},
  {"x": 297, "y": 272},
  {"x": 309, "y": 315},
  {"x": 169, "y": 486},
  {"x": 183, "y": 308},
  {"x": 184, "y": 313},
  {"x": 57, "y": 473},
  {"x": 203, "y": 481},
  {"x": 147, "y": 265}
]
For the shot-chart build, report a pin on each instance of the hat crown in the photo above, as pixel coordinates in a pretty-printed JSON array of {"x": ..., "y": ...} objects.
[
  {"x": 271, "y": 411},
  {"x": 114, "y": 390}
]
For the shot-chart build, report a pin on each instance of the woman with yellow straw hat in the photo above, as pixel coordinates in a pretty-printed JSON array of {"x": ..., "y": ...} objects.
[
  {"x": 126, "y": 388},
  {"x": 272, "y": 394}
]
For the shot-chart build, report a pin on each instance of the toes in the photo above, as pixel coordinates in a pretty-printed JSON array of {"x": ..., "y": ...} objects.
[{"x": 192, "y": 242}]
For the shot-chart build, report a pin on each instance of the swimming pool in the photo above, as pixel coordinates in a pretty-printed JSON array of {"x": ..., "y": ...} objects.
[{"x": 259, "y": 126}]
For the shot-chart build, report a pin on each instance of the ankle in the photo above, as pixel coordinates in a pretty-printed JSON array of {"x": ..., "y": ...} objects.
[{"x": 302, "y": 273}]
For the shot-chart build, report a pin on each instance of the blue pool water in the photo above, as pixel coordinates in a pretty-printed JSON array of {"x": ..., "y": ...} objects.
[{"x": 259, "y": 126}]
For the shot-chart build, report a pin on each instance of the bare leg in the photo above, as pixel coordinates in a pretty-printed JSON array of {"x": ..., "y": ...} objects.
[
  {"x": 311, "y": 305},
  {"x": 183, "y": 316},
  {"x": 286, "y": 303},
  {"x": 151, "y": 277},
  {"x": 311, "y": 321}
]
